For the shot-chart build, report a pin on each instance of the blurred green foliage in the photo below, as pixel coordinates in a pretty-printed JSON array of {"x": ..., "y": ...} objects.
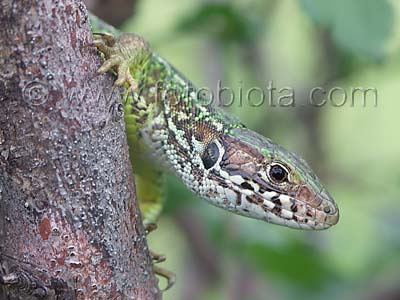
[
  {"x": 359, "y": 26},
  {"x": 302, "y": 44},
  {"x": 222, "y": 21}
]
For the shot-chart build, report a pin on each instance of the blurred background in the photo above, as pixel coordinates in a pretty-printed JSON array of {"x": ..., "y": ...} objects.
[{"x": 354, "y": 147}]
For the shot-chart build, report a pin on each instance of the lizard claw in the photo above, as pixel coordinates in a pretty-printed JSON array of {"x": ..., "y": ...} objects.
[
  {"x": 150, "y": 227},
  {"x": 157, "y": 258},
  {"x": 108, "y": 38},
  {"x": 171, "y": 277}
]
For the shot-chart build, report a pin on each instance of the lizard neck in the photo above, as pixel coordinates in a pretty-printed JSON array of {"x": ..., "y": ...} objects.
[{"x": 182, "y": 122}]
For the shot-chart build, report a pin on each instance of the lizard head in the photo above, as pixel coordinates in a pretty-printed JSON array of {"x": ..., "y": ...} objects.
[{"x": 254, "y": 177}]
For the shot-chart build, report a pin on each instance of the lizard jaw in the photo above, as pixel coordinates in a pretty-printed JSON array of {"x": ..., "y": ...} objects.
[{"x": 245, "y": 198}]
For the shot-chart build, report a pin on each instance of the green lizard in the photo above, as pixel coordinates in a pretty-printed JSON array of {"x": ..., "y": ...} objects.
[{"x": 168, "y": 123}]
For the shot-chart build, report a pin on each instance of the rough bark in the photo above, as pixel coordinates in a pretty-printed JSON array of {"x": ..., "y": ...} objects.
[{"x": 70, "y": 226}]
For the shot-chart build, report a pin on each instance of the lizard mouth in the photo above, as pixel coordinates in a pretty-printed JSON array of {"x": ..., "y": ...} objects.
[
  {"x": 301, "y": 211},
  {"x": 309, "y": 209},
  {"x": 316, "y": 211}
]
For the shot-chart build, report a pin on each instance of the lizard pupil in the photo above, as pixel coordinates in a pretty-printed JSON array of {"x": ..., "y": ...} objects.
[
  {"x": 210, "y": 156},
  {"x": 278, "y": 173}
]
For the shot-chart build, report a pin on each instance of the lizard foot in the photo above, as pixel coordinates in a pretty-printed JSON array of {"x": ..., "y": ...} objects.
[
  {"x": 157, "y": 258},
  {"x": 125, "y": 55}
]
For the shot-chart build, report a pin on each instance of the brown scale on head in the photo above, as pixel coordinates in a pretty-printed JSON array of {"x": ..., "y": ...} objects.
[
  {"x": 241, "y": 158},
  {"x": 204, "y": 132}
]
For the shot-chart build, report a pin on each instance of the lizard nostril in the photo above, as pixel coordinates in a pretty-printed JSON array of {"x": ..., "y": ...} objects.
[{"x": 327, "y": 209}]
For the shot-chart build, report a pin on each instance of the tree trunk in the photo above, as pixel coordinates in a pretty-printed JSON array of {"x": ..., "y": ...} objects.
[{"x": 70, "y": 226}]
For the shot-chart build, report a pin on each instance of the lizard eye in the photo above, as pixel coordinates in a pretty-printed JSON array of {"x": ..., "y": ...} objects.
[
  {"x": 210, "y": 155},
  {"x": 278, "y": 173}
]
